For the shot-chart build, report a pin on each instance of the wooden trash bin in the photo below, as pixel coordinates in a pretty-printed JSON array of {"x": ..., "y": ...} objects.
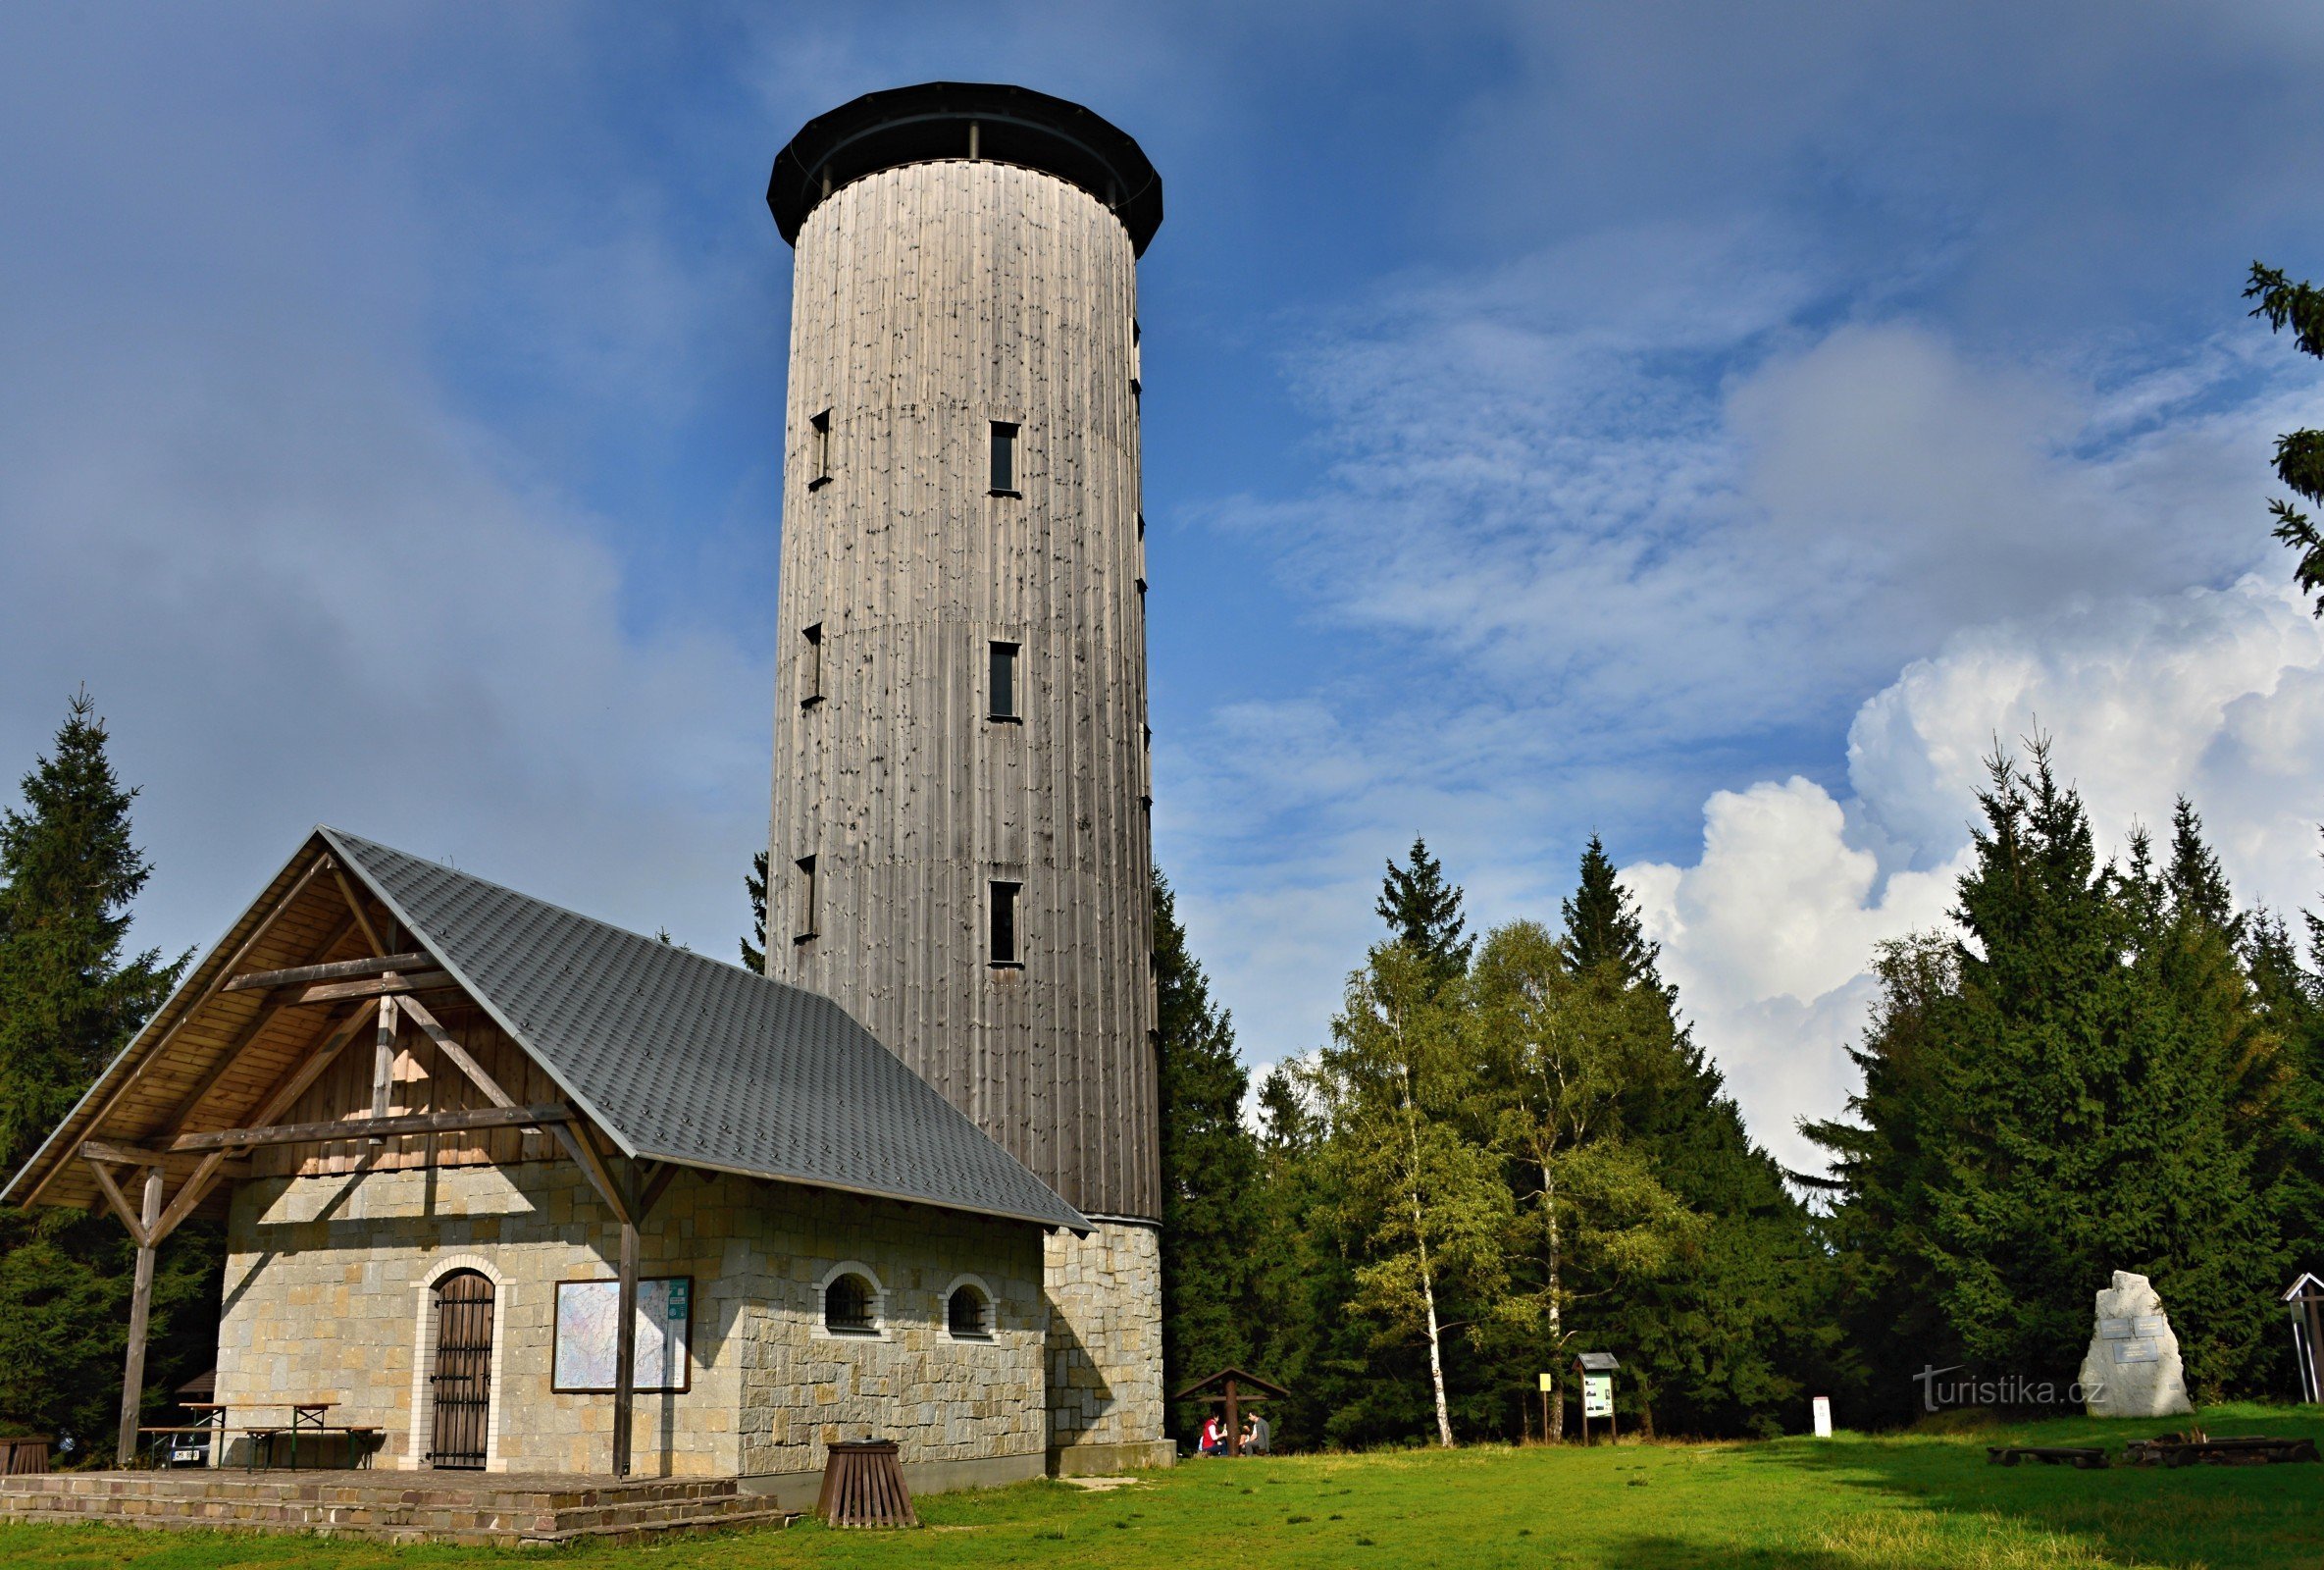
[
  {"x": 863, "y": 1487},
  {"x": 22, "y": 1456}
]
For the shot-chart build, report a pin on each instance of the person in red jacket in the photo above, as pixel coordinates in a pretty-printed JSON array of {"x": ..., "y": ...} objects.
[{"x": 1214, "y": 1439}]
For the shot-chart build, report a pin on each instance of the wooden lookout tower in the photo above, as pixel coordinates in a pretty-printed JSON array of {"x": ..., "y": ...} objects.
[{"x": 960, "y": 849}]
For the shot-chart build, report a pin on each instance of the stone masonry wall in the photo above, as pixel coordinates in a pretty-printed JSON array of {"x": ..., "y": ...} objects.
[
  {"x": 943, "y": 1399},
  {"x": 328, "y": 1294},
  {"x": 1105, "y": 1339}
]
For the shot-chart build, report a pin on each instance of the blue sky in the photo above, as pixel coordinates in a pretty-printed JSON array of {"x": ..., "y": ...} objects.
[{"x": 1706, "y": 425}]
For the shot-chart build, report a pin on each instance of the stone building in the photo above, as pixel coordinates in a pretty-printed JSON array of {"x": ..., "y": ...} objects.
[{"x": 449, "y": 1126}]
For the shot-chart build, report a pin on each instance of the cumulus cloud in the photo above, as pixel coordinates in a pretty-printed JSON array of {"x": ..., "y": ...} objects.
[{"x": 2214, "y": 693}]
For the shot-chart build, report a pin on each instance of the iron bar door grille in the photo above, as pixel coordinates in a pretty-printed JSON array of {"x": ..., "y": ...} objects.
[{"x": 463, "y": 1380}]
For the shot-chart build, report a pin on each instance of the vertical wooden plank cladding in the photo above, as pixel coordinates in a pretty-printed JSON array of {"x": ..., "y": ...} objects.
[{"x": 929, "y": 300}]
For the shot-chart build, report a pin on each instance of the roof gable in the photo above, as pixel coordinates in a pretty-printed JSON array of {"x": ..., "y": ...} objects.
[{"x": 682, "y": 1057}]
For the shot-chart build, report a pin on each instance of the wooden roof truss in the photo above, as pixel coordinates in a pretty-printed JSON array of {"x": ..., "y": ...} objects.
[{"x": 177, "y": 1093}]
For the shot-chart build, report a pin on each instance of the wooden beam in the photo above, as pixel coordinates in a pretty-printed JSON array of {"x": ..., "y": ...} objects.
[
  {"x": 584, "y": 1151},
  {"x": 406, "y": 1123},
  {"x": 355, "y": 904},
  {"x": 451, "y": 1048},
  {"x": 625, "y": 1350},
  {"x": 335, "y": 971},
  {"x": 190, "y": 1103},
  {"x": 657, "y": 1178},
  {"x": 119, "y": 1200},
  {"x": 383, "y": 1062},
  {"x": 218, "y": 1163},
  {"x": 137, "y": 1156},
  {"x": 133, "y": 1374},
  {"x": 390, "y": 986},
  {"x": 106, "y": 1150},
  {"x": 310, "y": 1069},
  {"x": 266, "y": 924}
]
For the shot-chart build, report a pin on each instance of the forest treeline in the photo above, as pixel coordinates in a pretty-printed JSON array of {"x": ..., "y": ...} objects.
[{"x": 1511, "y": 1150}]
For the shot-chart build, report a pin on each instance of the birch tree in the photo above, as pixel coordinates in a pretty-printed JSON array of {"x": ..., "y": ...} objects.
[
  {"x": 1425, "y": 1194},
  {"x": 1558, "y": 1051}
]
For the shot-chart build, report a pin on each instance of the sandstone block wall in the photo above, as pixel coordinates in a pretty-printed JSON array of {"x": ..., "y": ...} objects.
[
  {"x": 328, "y": 1294},
  {"x": 1105, "y": 1343}
]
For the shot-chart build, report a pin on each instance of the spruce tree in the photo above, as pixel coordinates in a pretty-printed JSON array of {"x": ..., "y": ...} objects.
[
  {"x": 1602, "y": 923},
  {"x": 1720, "y": 1337},
  {"x": 2299, "y": 454},
  {"x": 2052, "y": 1097},
  {"x": 1210, "y": 1166},
  {"x": 69, "y": 871},
  {"x": 754, "y": 884},
  {"x": 69, "y": 1002},
  {"x": 2285, "y": 1136},
  {"x": 1424, "y": 912}
]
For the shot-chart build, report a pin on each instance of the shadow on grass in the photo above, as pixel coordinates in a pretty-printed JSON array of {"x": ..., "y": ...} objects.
[{"x": 2201, "y": 1515}]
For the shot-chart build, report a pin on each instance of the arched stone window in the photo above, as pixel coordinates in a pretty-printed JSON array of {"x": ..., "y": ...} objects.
[
  {"x": 968, "y": 1310},
  {"x": 851, "y": 1301}
]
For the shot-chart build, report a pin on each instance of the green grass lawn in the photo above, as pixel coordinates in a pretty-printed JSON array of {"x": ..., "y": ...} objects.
[{"x": 1913, "y": 1499}]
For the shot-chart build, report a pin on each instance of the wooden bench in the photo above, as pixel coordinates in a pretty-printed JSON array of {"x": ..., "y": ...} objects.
[
  {"x": 2248, "y": 1449},
  {"x": 262, "y": 1436},
  {"x": 2085, "y": 1457},
  {"x": 164, "y": 1440},
  {"x": 24, "y": 1454}
]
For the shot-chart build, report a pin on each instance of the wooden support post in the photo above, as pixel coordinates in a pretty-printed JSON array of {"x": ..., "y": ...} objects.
[
  {"x": 2315, "y": 1342},
  {"x": 383, "y": 1060},
  {"x": 625, "y": 1355},
  {"x": 133, "y": 1374},
  {"x": 1235, "y": 1418}
]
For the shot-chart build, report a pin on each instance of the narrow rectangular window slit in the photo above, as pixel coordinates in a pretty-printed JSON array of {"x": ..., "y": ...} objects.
[
  {"x": 819, "y": 449},
  {"x": 810, "y": 666},
  {"x": 1005, "y": 933},
  {"x": 1005, "y": 433},
  {"x": 807, "y": 898},
  {"x": 1003, "y": 683}
]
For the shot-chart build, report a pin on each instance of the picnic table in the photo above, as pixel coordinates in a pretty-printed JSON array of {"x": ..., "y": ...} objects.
[{"x": 309, "y": 1419}]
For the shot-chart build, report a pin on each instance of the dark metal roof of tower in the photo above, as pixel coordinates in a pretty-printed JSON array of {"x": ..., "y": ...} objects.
[{"x": 1012, "y": 125}]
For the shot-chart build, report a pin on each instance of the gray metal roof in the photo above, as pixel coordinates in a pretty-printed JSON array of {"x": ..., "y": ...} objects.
[{"x": 684, "y": 1059}]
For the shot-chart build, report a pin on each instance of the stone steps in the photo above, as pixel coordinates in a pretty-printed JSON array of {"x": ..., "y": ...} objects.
[{"x": 392, "y": 1507}]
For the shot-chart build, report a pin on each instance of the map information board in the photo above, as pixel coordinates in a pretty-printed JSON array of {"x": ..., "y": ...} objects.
[{"x": 585, "y": 1348}]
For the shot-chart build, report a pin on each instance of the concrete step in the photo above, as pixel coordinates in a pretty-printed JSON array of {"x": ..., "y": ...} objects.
[
  {"x": 726, "y": 1521},
  {"x": 392, "y": 1508}
]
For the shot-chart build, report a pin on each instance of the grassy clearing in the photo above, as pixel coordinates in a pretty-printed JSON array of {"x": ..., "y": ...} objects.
[{"x": 1923, "y": 1500}]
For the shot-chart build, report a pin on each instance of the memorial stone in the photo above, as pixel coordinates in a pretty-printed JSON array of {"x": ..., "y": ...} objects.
[{"x": 2133, "y": 1366}]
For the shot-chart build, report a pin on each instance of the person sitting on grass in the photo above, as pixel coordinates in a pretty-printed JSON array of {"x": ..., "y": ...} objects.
[
  {"x": 1214, "y": 1439},
  {"x": 1256, "y": 1436}
]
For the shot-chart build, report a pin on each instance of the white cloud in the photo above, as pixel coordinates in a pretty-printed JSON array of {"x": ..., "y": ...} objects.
[{"x": 2214, "y": 693}]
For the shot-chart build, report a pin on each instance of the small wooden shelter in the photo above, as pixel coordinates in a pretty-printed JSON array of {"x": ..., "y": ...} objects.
[
  {"x": 1233, "y": 1388},
  {"x": 2304, "y": 1298}
]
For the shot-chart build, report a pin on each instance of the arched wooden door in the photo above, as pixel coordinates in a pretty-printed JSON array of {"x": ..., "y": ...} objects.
[{"x": 462, "y": 1385}]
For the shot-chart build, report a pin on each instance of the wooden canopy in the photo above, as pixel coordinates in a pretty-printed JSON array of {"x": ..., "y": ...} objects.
[
  {"x": 1233, "y": 1388},
  {"x": 255, "y": 1065}
]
